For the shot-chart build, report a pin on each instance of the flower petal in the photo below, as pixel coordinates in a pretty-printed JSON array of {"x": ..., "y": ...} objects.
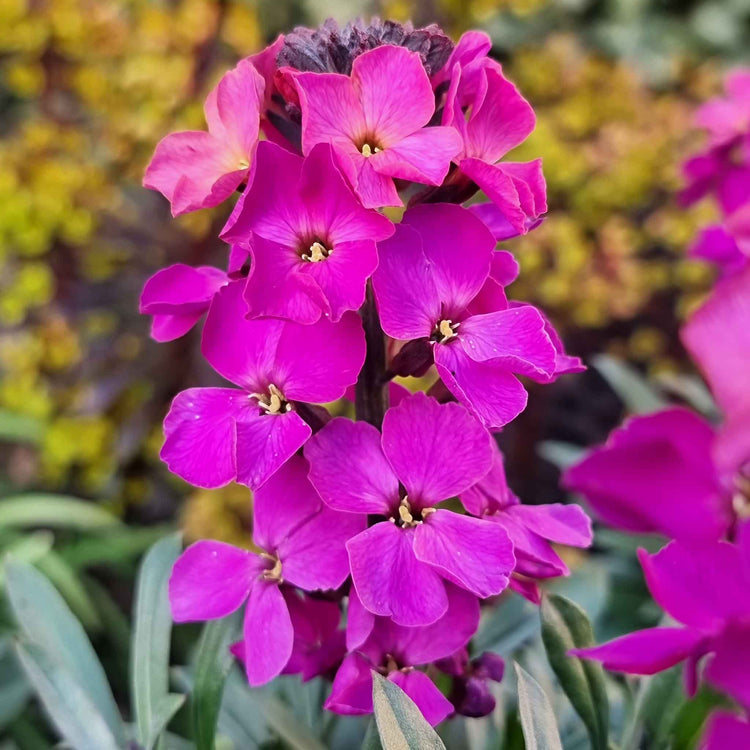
[
  {"x": 389, "y": 579},
  {"x": 437, "y": 450},
  {"x": 351, "y": 693},
  {"x": 729, "y": 668},
  {"x": 404, "y": 285},
  {"x": 349, "y": 470},
  {"x": 422, "y": 690},
  {"x": 645, "y": 651},
  {"x": 472, "y": 553},
  {"x": 193, "y": 591},
  {"x": 268, "y": 634}
]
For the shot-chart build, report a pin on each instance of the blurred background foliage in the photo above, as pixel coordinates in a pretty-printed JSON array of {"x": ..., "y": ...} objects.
[{"x": 87, "y": 87}]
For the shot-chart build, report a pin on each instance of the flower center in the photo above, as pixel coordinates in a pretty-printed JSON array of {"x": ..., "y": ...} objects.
[
  {"x": 368, "y": 150},
  {"x": 407, "y": 518},
  {"x": 444, "y": 331},
  {"x": 272, "y": 402},
  {"x": 243, "y": 164},
  {"x": 316, "y": 252},
  {"x": 272, "y": 573},
  {"x": 741, "y": 496}
]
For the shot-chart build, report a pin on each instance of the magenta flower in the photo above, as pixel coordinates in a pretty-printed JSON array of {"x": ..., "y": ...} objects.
[
  {"x": 431, "y": 285},
  {"x": 319, "y": 644},
  {"x": 655, "y": 475},
  {"x": 312, "y": 243},
  {"x": 377, "y": 128},
  {"x": 726, "y": 245},
  {"x": 394, "y": 651},
  {"x": 723, "y": 169},
  {"x": 531, "y": 528},
  {"x": 195, "y": 169},
  {"x": 428, "y": 453},
  {"x": 706, "y": 587},
  {"x": 492, "y": 119},
  {"x": 303, "y": 545},
  {"x": 724, "y": 731},
  {"x": 717, "y": 335},
  {"x": 470, "y": 691},
  {"x": 178, "y": 296},
  {"x": 218, "y": 435}
]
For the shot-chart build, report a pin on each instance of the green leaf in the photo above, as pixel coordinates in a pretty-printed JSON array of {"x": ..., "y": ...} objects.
[
  {"x": 285, "y": 723},
  {"x": 401, "y": 725},
  {"x": 46, "y": 621},
  {"x": 537, "y": 718},
  {"x": 560, "y": 454},
  {"x": 213, "y": 663},
  {"x": 57, "y": 511},
  {"x": 638, "y": 395},
  {"x": 565, "y": 626},
  {"x": 69, "y": 706},
  {"x": 27, "y": 548},
  {"x": 152, "y": 703},
  {"x": 14, "y": 687},
  {"x": 371, "y": 740}
]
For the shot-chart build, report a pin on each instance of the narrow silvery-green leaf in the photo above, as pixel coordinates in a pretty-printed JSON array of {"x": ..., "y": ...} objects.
[
  {"x": 537, "y": 718},
  {"x": 14, "y": 687},
  {"x": 560, "y": 454},
  {"x": 46, "y": 621},
  {"x": 401, "y": 725},
  {"x": 68, "y": 705},
  {"x": 55, "y": 511},
  {"x": 285, "y": 723},
  {"x": 151, "y": 637},
  {"x": 213, "y": 663},
  {"x": 565, "y": 626},
  {"x": 638, "y": 395},
  {"x": 371, "y": 740}
]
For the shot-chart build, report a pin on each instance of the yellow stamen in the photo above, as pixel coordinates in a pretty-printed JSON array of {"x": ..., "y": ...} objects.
[
  {"x": 368, "y": 150},
  {"x": 317, "y": 252},
  {"x": 447, "y": 330},
  {"x": 243, "y": 164},
  {"x": 403, "y": 511},
  {"x": 272, "y": 402},
  {"x": 274, "y": 574}
]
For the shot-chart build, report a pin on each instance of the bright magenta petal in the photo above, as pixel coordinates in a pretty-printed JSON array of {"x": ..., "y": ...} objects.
[{"x": 422, "y": 690}]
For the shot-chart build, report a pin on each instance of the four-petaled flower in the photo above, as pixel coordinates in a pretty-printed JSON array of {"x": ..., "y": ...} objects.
[{"x": 428, "y": 453}]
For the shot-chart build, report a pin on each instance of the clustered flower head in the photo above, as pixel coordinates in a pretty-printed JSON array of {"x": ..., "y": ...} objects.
[
  {"x": 376, "y": 539},
  {"x": 677, "y": 474}
]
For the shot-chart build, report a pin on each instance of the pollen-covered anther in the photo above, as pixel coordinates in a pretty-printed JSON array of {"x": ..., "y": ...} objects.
[
  {"x": 741, "y": 497},
  {"x": 272, "y": 402},
  {"x": 368, "y": 150},
  {"x": 317, "y": 252},
  {"x": 446, "y": 330},
  {"x": 274, "y": 573},
  {"x": 243, "y": 164}
]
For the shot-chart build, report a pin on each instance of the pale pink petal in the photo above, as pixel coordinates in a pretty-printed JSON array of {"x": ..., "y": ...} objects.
[
  {"x": 424, "y": 156},
  {"x": 268, "y": 633},
  {"x": 349, "y": 470},
  {"x": 458, "y": 247},
  {"x": 487, "y": 389},
  {"x": 392, "y": 112},
  {"x": 193, "y": 170},
  {"x": 697, "y": 584},
  {"x": 437, "y": 450},
  {"x": 331, "y": 109},
  {"x": 404, "y": 285},
  {"x": 200, "y": 434},
  {"x": 193, "y": 591},
  {"x": 645, "y": 651},
  {"x": 422, "y": 690},
  {"x": 474, "y": 554},
  {"x": 265, "y": 443},
  {"x": 389, "y": 579},
  {"x": 317, "y": 363}
]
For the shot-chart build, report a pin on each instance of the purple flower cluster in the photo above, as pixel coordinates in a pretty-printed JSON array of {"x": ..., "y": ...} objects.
[
  {"x": 398, "y": 523},
  {"x": 679, "y": 475},
  {"x": 722, "y": 171}
]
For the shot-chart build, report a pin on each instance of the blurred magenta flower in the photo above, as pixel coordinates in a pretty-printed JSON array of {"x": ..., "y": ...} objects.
[
  {"x": 470, "y": 691},
  {"x": 706, "y": 588}
]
